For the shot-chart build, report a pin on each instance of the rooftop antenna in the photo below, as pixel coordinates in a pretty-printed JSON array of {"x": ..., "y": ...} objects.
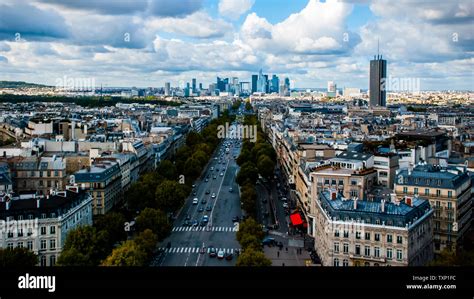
[{"x": 378, "y": 48}]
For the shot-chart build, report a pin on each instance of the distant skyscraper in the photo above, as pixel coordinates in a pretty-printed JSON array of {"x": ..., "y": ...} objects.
[
  {"x": 167, "y": 89},
  {"x": 378, "y": 75},
  {"x": 275, "y": 86},
  {"x": 285, "y": 87},
  {"x": 332, "y": 89},
  {"x": 200, "y": 86},
  {"x": 194, "y": 85},
  {"x": 221, "y": 84},
  {"x": 187, "y": 90},
  {"x": 262, "y": 83},
  {"x": 254, "y": 83}
]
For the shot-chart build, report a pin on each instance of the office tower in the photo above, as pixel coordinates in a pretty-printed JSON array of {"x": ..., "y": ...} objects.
[
  {"x": 262, "y": 83},
  {"x": 254, "y": 83},
  {"x": 187, "y": 90},
  {"x": 200, "y": 86},
  {"x": 167, "y": 88},
  {"x": 266, "y": 85},
  {"x": 194, "y": 85},
  {"x": 221, "y": 84},
  {"x": 378, "y": 75},
  {"x": 275, "y": 86},
  {"x": 332, "y": 89}
]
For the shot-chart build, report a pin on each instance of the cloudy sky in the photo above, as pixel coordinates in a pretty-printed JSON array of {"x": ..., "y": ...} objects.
[{"x": 149, "y": 42}]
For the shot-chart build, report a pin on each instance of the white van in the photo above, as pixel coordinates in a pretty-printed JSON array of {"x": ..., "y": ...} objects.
[{"x": 195, "y": 201}]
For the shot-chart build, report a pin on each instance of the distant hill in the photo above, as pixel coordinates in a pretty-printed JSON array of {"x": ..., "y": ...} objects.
[{"x": 19, "y": 84}]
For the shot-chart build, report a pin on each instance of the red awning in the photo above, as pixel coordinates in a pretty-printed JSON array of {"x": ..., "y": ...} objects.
[{"x": 296, "y": 219}]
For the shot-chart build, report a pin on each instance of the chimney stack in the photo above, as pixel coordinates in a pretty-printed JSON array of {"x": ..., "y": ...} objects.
[
  {"x": 382, "y": 205},
  {"x": 355, "y": 203},
  {"x": 38, "y": 203},
  {"x": 7, "y": 204}
]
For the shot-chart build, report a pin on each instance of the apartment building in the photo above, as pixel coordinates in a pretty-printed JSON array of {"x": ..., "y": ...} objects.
[
  {"x": 350, "y": 232},
  {"x": 449, "y": 191},
  {"x": 103, "y": 180},
  {"x": 41, "y": 223}
]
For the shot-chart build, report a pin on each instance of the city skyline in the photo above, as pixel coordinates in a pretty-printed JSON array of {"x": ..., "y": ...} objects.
[{"x": 148, "y": 43}]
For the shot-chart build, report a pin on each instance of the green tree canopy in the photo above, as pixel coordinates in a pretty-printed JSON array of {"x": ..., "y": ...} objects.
[
  {"x": 128, "y": 254},
  {"x": 147, "y": 240},
  {"x": 154, "y": 220},
  {"x": 250, "y": 227},
  {"x": 265, "y": 166},
  {"x": 193, "y": 138},
  {"x": 248, "y": 171},
  {"x": 17, "y": 258},
  {"x": 253, "y": 258},
  {"x": 114, "y": 224},
  {"x": 170, "y": 196},
  {"x": 167, "y": 169}
]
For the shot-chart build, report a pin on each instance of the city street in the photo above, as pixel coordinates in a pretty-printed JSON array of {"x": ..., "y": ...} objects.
[{"x": 189, "y": 245}]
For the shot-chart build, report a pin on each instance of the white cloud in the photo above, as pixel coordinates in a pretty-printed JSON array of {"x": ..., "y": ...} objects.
[
  {"x": 233, "y": 9},
  {"x": 199, "y": 25}
]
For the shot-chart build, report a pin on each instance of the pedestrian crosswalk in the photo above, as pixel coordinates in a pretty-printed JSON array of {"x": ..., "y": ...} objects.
[
  {"x": 195, "y": 250},
  {"x": 205, "y": 228}
]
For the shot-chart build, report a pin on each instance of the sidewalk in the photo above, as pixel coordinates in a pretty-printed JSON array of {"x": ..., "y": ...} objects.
[{"x": 287, "y": 258}]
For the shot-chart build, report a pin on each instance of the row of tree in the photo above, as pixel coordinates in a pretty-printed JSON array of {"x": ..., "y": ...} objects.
[
  {"x": 256, "y": 158},
  {"x": 152, "y": 198},
  {"x": 250, "y": 237}
]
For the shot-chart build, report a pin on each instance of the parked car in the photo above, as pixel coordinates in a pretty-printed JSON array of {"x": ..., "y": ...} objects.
[
  {"x": 269, "y": 241},
  {"x": 228, "y": 256}
]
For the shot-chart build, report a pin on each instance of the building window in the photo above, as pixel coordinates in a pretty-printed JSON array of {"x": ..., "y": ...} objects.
[
  {"x": 450, "y": 205},
  {"x": 399, "y": 239},
  {"x": 20, "y": 232},
  {"x": 52, "y": 244},
  {"x": 10, "y": 235},
  {"x": 29, "y": 245},
  {"x": 43, "y": 230},
  {"x": 19, "y": 245},
  {"x": 336, "y": 247},
  {"x": 43, "y": 261},
  {"x": 52, "y": 260},
  {"x": 336, "y": 233},
  {"x": 10, "y": 245},
  {"x": 415, "y": 191},
  {"x": 345, "y": 263},
  {"x": 52, "y": 230},
  {"x": 367, "y": 250},
  {"x": 326, "y": 181},
  {"x": 389, "y": 238},
  {"x": 427, "y": 192},
  {"x": 357, "y": 249},
  {"x": 336, "y": 262},
  {"x": 405, "y": 190},
  {"x": 341, "y": 183},
  {"x": 357, "y": 235},
  {"x": 377, "y": 237},
  {"x": 346, "y": 234},
  {"x": 450, "y": 194},
  {"x": 333, "y": 182},
  {"x": 389, "y": 253},
  {"x": 43, "y": 245},
  {"x": 346, "y": 247},
  {"x": 450, "y": 227},
  {"x": 366, "y": 264},
  {"x": 376, "y": 251},
  {"x": 438, "y": 193},
  {"x": 399, "y": 254},
  {"x": 367, "y": 236}
]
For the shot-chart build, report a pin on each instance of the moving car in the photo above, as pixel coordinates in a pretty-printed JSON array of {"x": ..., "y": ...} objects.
[
  {"x": 203, "y": 201},
  {"x": 213, "y": 195},
  {"x": 236, "y": 219},
  {"x": 201, "y": 209},
  {"x": 187, "y": 223},
  {"x": 228, "y": 256},
  {"x": 195, "y": 222},
  {"x": 269, "y": 241},
  {"x": 222, "y": 174},
  {"x": 285, "y": 205},
  {"x": 220, "y": 254},
  {"x": 212, "y": 251},
  {"x": 195, "y": 201},
  {"x": 208, "y": 191},
  {"x": 188, "y": 217},
  {"x": 208, "y": 208},
  {"x": 230, "y": 189},
  {"x": 205, "y": 218}
]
